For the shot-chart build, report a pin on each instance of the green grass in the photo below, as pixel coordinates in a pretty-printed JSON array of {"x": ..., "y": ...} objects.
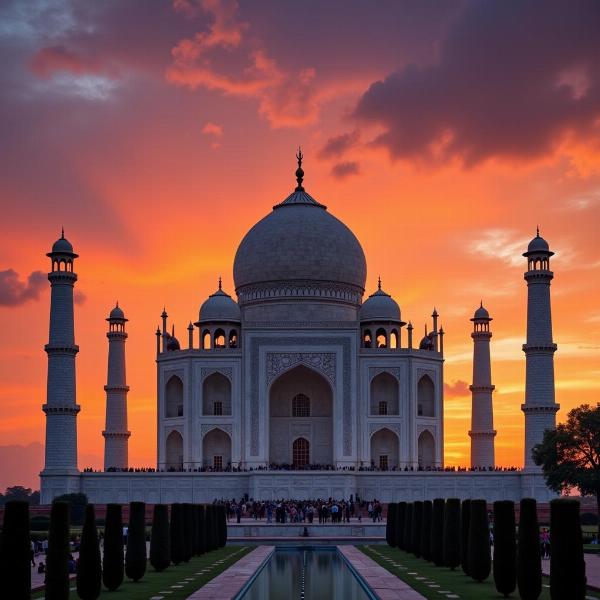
[
  {"x": 456, "y": 582},
  {"x": 153, "y": 582}
]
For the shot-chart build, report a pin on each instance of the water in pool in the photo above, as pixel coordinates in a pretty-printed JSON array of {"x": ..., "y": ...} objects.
[{"x": 319, "y": 574}]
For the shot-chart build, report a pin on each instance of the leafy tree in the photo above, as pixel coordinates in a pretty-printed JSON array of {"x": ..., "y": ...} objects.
[
  {"x": 57, "y": 559},
  {"x": 416, "y": 528},
  {"x": 570, "y": 454},
  {"x": 400, "y": 516},
  {"x": 89, "y": 569},
  {"x": 160, "y": 550},
  {"x": 135, "y": 556},
  {"x": 465, "y": 521},
  {"x": 529, "y": 560},
  {"x": 567, "y": 565},
  {"x": 18, "y": 492},
  {"x": 112, "y": 565},
  {"x": 505, "y": 547},
  {"x": 195, "y": 531},
  {"x": 176, "y": 534},
  {"x": 479, "y": 541},
  {"x": 437, "y": 532},
  {"x": 77, "y": 504},
  {"x": 452, "y": 533},
  {"x": 426, "y": 529},
  {"x": 390, "y": 525},
  {"x": 15, "y": 551}
]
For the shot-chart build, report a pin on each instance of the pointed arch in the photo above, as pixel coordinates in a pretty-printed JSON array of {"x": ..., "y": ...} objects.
[
  {"x": 425, "y": 397},
  {"x": 216, "y": 449},
  {"x": 174, "y": 397},
  {"x": 385, "y": 449},
  {"x": 174, "y": 451},
  {"x": 384, "y": 394},
  {"x": 426, "y": 449},
  {"x": 216, "y": 395}
]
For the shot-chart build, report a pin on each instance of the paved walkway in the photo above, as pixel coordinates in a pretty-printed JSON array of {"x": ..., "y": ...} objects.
[
  {"x": 386, "y": 585},
  {"x": 226, "y": 585},
  {"x": 592, "y": 569}
]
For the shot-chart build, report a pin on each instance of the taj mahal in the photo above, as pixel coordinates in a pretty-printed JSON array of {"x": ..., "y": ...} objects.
[{"x": 302, "y": 384}]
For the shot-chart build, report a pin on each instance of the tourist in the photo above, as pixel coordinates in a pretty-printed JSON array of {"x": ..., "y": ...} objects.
[{"x": 41, "y": 567}]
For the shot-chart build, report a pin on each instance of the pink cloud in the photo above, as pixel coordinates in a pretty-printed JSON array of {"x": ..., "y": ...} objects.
[
  {"x": 48, "y": 61},
  {"x": 212, "y": 129}
]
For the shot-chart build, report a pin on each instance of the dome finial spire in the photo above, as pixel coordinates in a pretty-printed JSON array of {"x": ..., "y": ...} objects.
[
  {"x": 62, "y": 233},
  {"x": 379, "y": 283},
  {"x": 220, "y": 283},
  {"x": 299, "y": 170},
  {"x": 537, "y": 231}
]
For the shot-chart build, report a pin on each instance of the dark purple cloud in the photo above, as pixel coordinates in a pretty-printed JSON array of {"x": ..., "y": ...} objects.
[
  {"x": 14, "y": 292},
  {"x": 345, "y": 169},
  {"x": 457, "y": 389},
  {"x": 337, "y": 145},
  {"x": 511, "y": 79}
]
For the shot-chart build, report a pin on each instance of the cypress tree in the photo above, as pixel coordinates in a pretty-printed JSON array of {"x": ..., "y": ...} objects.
[
  {"x": 160, "y": 550},
  {"x": 57, "y": 559},
  {"x": 452, "y": 533},
  {"x": 437, "y": 532},
  {"x": 135, "y": 556},
  {"x": 479, "y": 541},
  {"x": 417, "y": 526},
  {"x": 567, "y": 565},
  {"x": 195, "y": 540},
  {"x": 390, "y": 525},
  {"x": 400, "y": 516},
  {"x": 211, "y": 523},
  {"x": 177, "y": 543},
  {"x": 222, "y": 526},
  {"x": 426, "y": 530},
  {"x": 529, "y": 560},
  {"x": 465, "y": 522},
  {"x": 408, "y": 521},
  {"x": 89, "y": 567},
  {"x": 505, "y": 547},
  {"x": 15, "y": 551},
  {"x": 201, "y": 529},
  {"x": 187, "y": 532},
  {"x": 112, "y": 565}
]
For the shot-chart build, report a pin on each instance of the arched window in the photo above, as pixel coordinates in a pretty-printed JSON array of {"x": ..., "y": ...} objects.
[
  {"x": 233, "y": 339},
  {"x": 384, "y": 389},
  {"x": 174, "y": 397},
  {"x": 394, "y": 339},
  {"x": 425, "y": 397},
  {"x": 219, "y": 339},
  {"x": 216, "y": 395},
  {"x": 367, "y": 339},
  {"x": 426, "y": 449},
  {"x": 381, "y": 338},
  {"x": 300, "y": 406},
  {"x": 301, "y": 452},
  {"x": 174, "y": 451},
  {"x": 383, "y": 407},
  {"x": 206, "y": 339}
]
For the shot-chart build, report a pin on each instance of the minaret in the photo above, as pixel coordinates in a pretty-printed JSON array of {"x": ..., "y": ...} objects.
[
  {"x": 61, "y": 407},
  {"x": 539, "y": 408},
  {"x": 482, "y": 412},
  {"x": 116, "y": 435}
]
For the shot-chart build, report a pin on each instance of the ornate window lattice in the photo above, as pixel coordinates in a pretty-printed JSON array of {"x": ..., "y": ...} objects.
[
  {"x": 300, "y": 406},
  {"x": 217, "y": 462},
  {"x": 301, "y": 452},
  {"x": 383, "y": 407},
  {"x": 217, "y": 408},
  {"x": 383, "y": 462}
]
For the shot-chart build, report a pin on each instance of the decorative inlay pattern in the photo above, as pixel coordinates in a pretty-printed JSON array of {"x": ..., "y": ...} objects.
[
  {"x": 278, "y": 362},
  {"x": 395, "y": 427},
  {"x": 374, "y": 371},
  {"x": 344, "y": 342},
  {"x": 431, "y": 428},
  {"x": 206, "y": 371},
  {"x": 338, "y": 292},
  {"x": 226, "y": 427},
  {"x": 421, "y": 371}
]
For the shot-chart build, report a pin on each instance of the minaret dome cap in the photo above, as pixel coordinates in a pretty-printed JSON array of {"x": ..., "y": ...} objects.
[
  {"x": 481, "y": 314},
  {"x": 116, "y": 314},
  {"x": 62, "y": 246},
  {"x": 538, "y": 245}
]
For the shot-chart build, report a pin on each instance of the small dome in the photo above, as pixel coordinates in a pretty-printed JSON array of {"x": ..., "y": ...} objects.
[
  {"x": 220, "y": 307},
  {"x": 481, "y": 313},
  {"x": 172, "y": 343},
  {"x": 117, "y": 313},
  {"x": 538, "y": 244},
  {"x": 426, "y": 343},
  {"x": 379, "y": 307}
]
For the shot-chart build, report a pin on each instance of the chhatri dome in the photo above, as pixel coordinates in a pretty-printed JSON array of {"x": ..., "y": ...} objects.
[
  {"x": 219, "y": 307},
  {"x": 380, "y": 306},
  {"x": 300, "y": 251}
]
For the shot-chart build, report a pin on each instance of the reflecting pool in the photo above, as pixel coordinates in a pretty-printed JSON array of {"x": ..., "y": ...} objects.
[{"x": 306, "y": 574}]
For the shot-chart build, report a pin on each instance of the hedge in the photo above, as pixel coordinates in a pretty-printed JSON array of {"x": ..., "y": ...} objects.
[
  {"x": 465, "y": 522},
  {"x": 400, "y": 516},
  {"x": 426, "y": 530},
  {"x": 452, "y": 533},
  {"x": 417, "y": 528},
  {"x": 15, "y": 551},
  {"x": 112, "y": 565},
  {"x": 57, "y": 559},
  {"x": 135, "y": 556},
  {"x": 89, "y": 567},
  {"x": 437, "y": 532},
  {"x": 479, "y": 541},
  {"x": 176, "y": 534},
  {"x": 160, "y": 547},
  {"x": 390, "y": 525},
  {"x": 529, "y": 560},
  {"x": 505, "y": 547}
]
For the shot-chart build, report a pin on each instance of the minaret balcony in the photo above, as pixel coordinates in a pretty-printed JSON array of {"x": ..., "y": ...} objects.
[
  {"x": 61, "y": 349},
  {"x": 540, "y": 408},
  {"x": 482, "y": 388},
  {"x": 61, "y": 409},
  {"x": 543, "y": 348}
]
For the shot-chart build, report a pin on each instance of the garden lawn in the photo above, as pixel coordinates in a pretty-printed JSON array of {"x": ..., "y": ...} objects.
[
  {"x": 180, "y": 580},
  {"x": 422, "y": 576}
]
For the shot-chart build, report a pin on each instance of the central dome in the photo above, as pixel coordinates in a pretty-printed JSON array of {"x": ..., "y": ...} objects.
[{"x": 300, "y": 251}]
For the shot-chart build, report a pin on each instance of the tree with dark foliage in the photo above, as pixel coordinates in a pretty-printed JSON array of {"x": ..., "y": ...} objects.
[
  {"x": 135, "y": 556},
  {"x": 89, "y": 566},
  {"x": 465, "y": 522},
  {"x": 479, "y": 541},
  {"x": 400, "y": 516},
  {"x": 529, "y": 560},
  {"x": 160, "y": 547},
  {"x": 505, "y": 547},
  {"x": 426, "y": 529},
  {"x": 570, "y": 454},
  {"x": 112, "y": 564},
  {"x": 437, "y": 532},
  {"x": 176, "y": 531},
  {"x": 452, "y": 533},
  {"x": 390, "y": 525},
  {"x": 57, "y": 559},
  {"x": 15, "y": 551},
  {"x": 416, "y": 528}
]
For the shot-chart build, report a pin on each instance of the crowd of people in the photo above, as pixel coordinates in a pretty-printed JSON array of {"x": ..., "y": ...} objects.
[
  {"x": 229, "y": 468},
  {"x": 318, "y": 510}
]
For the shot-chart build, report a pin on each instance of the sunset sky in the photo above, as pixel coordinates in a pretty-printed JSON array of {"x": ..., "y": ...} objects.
[{"x": 157, "y": 133}]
